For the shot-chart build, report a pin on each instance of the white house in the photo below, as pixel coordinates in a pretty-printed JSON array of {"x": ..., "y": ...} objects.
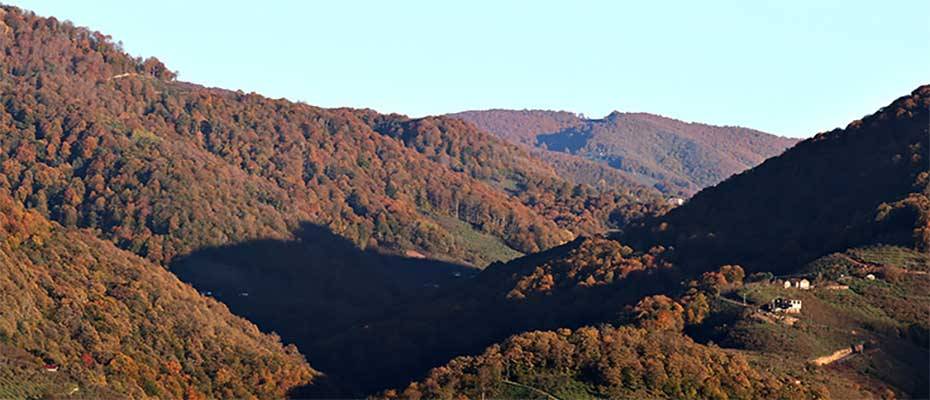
[
  {"x": 790, "y": 306},
  {"x": 797, "y": 283}
]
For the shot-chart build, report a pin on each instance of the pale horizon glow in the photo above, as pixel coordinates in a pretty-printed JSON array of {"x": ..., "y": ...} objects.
[{"x": 792, "y": 68}]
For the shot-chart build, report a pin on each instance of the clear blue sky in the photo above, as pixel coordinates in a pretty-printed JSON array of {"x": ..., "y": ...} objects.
[{"x": 788, "y": 67}]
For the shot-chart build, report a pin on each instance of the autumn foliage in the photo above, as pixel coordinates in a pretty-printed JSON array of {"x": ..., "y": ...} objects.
[
  {"x": 673, "y": 156},
  {"x": 117, "y": 325},
  {"x": 97, "y": 139},
  {"x": 604, "y": 362},
  {"x": 865, "y": 184}
]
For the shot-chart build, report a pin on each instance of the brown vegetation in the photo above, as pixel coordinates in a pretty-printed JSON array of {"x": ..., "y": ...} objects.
[
  {"x": 673, "y": 156},
  {"x": 866, "y": 184},
  {"x": 117, "y": 324},
  {"x": 162, "y": 167}
]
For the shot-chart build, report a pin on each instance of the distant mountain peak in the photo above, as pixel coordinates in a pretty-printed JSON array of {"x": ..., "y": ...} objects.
[{"x": 671, "y": 155}]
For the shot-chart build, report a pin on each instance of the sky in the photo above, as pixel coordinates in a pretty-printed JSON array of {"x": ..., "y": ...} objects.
[{"x": 793, "y": 68}]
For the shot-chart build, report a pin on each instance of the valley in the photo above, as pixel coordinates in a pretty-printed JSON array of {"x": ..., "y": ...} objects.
[{"x": 165, "y": 239}]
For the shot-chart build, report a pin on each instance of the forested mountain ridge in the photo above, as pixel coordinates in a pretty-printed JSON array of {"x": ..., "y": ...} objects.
[
  {"x": 580, "y": 208},
  {"x": 850, "y": 205},
  {"x": 862, "y": 186},
  {"x": 865, "y": 184},
  {"x": 866, "y": 338},
  {"x": 673, "y": 156},
  {"x": 586, "y": 281},
  {"x": 114, "y": 325},
  {"x": 313, "y": 223},
  {"x": 97, "y": 139}
]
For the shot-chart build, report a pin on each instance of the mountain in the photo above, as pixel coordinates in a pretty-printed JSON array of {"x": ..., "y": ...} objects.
[
  {"x": 674, "y": 156},
  {"x": 862, "y": 185},
  {"x": 584, "y": 282},
  {"x": 335, "y": 215},
  {"x": 854, "y": 338},
  {"x": 100, "y": 140},
  {"x": 393, "y": 250},
  {"x": 843, "y": 190},
  {"x": 116, "y": 325}
]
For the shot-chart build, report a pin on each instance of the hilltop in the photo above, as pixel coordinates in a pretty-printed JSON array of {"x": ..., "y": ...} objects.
[
  {"x": 862, "y": 186},
  {"x": 101, "y": 140},
  {"x": 865, "y": 184},
  {"x": 676, "y": 157}
]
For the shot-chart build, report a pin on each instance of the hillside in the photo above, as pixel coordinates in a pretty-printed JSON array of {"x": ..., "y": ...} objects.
[
  {"x": 584, "y": 282},
  {"x": 604, "y": 362},
  {"x": 393, "y": 250},
  {"x": 854, "y": 338},
  {"x": 116, "y": 325},
  {"x": 865, "y": 184},
  {"x": 673, "y": 156},
  {"x": 97, "y": 139}
]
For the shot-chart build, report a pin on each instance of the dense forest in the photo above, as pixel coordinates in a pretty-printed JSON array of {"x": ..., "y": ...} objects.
[
  {"x": 673, "y": 156},
  {"x": 432, "y": 257},
  {"x": 844, "y": 188},
  {"x": 704, "y": 344},
  {"x": 864, "y": 185},
  {"x": 117, "y": 325},
  {"x": 587, "y": 281},
  {"x": 97, "y": 139},
  {"x": 604, "y": 362}
]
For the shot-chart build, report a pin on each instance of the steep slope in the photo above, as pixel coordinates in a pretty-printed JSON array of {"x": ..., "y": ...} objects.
[
  {"x": 585, "y": 282},
  {"x": 865, "y": 184},
  {"x": 855, "y": 338},
  {"x": 580, "y": 208},
  {"x": 116, "y": 325},
  {"x": 673, "y": 156},
  {"x": 97, "y": 139},
  {"x": 316, "y": 288}
]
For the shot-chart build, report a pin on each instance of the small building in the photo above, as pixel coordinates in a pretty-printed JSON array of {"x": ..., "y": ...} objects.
[
  {"x": 676, "y": 201},
  {"x": 870, "y": 277},
  {"x": 790, "y": 306},
  {"x": 795, "y": 283},
  {"x": 50, "y": 368}
]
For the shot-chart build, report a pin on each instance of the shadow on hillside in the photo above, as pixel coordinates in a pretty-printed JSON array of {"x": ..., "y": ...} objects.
[
  {"x": 371, "y": 321},
  {"x": 315, "y": 286},
  {"x": 568, "y": 140},
  {"x": 407, "y": 341}
]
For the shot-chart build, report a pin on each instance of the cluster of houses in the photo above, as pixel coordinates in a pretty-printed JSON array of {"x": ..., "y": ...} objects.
[
  {"x": 790, "y": 306},
  {"x": 793, "y": 306},
  {"x": 796, "y": 283}
]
